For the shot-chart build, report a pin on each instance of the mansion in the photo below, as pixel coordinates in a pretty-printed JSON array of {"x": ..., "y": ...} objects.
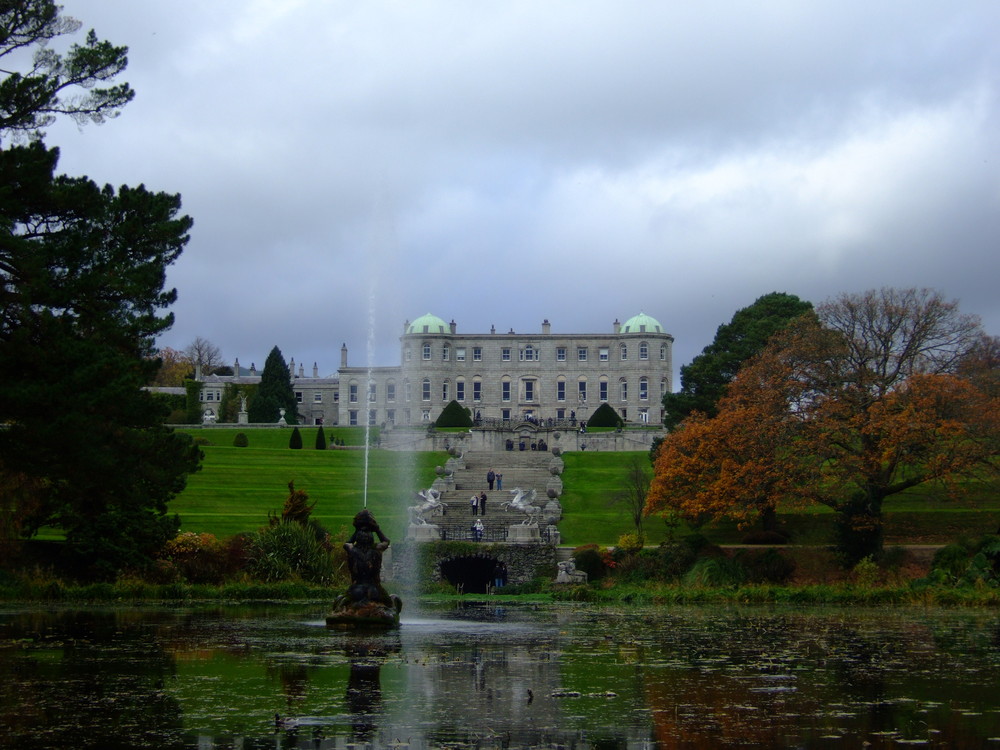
[{"x": 541, "y": 377}]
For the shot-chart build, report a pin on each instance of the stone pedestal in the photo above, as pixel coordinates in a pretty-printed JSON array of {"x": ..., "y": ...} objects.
[
  {"x": 423, "y": 532},
  {"x": 555, "y": 538},
  {"x": 521, "y": 534},
  {"x": 243, "y": 418}
]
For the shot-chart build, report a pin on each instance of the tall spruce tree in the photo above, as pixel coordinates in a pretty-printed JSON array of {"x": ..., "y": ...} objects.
[
  {"x": 82, "y": 273},
  {"x": 274, "y": 392}
]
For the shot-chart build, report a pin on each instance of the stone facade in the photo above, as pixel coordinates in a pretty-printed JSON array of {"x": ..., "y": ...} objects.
[
  {"x": 546, "y": 378},
  {"x": 504, "y": 378}
]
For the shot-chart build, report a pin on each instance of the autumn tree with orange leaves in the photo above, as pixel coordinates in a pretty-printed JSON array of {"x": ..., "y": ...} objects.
[{"x": 848, "y": 406}]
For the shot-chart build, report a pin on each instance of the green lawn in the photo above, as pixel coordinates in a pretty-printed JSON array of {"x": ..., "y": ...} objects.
[{"x": 238, "y": 486}]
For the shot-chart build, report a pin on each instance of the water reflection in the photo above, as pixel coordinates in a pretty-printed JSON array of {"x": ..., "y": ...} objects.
[{"x": 568, "y": 676}]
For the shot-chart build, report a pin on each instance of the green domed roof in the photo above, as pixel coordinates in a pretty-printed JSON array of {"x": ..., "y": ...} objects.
[
  {"x": 642, "y": 323},
  {"x": 428, "y": 324}
]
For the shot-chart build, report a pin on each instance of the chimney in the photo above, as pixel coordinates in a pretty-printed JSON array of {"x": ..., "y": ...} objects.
[
  {"x": 343, "y": 356},
  {"x": 546, "y": 327},
  {"x": 302, "y": 371},
  {"x": 291, "y": 368},
  {"x": 493, "y": 329},
  {"x": 197, "y": 371},
  {"x": 453, "y": 326},
  {"x": 253, "y": 369},
  {"x": 315, "y": 370},
  {"x": 236, "y": 368},
  {"x": 617, "y": 326}
]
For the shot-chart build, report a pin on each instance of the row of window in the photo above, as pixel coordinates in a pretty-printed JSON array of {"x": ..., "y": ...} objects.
[
  {"x": 353, "y": 415},
  {"x": 531, "y": 353},
  {"x": 528, "y": 390}
]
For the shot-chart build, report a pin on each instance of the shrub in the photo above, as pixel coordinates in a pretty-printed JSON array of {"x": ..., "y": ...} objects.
[
  {"x": 288, "y": 551},
  {"x": 589, "y": 560},
  {"x": 196, "y": 558},
  {"x": 320, "y": 439},
  {"x": 295, "y": 441},
  {"x": 766, "y": 566},
  {"x": 715, "y": 572},
  {"x": 605, "y": 416},
  {"x": 241, "y": 440},
  {"x": 674, "y": 558},
  {"x": 454, "y": 415},
  {"x": 630, "y": 543}
]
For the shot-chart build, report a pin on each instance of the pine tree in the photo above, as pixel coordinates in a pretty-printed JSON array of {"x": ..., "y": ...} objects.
[
  {"x": 295, "y": 441},
  {"x": 320, "y": 439}
]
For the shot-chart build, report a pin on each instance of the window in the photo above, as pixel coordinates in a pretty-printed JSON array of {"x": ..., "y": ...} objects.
[
  {"x": 602, "y": 390},
  {"x": 408, "y": 354},
  {"x": 644, "y": 416},
  {"x": 445, "y": 353},
  {"x": 663, "y": 387},
  {"x": 390, "y": 416},
  {"x": 560, "y": 390},
  {"x": 643, "y": 389},
  {"x": 460, "y": 354},
  {"x": 643, "y": 350},
  {"x": 581, "y": 354},
  {"x": 561, "y": 354},
  {"x": 663, "y": 352},
  {"x": 427, "y": 351},
  {"x": 371, "y": 392},
  {"x": 477, "y": 354},
  {"x": 560, "y": 414},
  {"x": 528, "y": 354},
  {"x": 602, "y": 354},
  {"x": 425, "y": 415},
  {"x": 505, "y": 390},
  {"x": 317, "y": 398},
  {"x": 582, "y": 390},
  {"x": 352, "y": 393},
  {"x": 477, "y": 390},
  {"x": 407, "y": 393},
  {"x": 505, "y": 354},
  {"x": 210, "y": 396},
  {"x": 505, "y": 414},
  {"x": 529, "y": 390},
  {"x": 623, "y": 349},
  {"x": 623, "y": 389},
  {"x": 460, "y": 390},
  {"x": 372, "y": 417},
  {"x": 352, "y": 417},
  {"x": 444, "y": 391},
  {"x": 390, "y": 390},
  {"x": 425, "y": 390}
]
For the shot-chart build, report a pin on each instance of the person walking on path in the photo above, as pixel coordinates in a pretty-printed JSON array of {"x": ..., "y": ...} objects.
[{"x": 490, "y": 477}]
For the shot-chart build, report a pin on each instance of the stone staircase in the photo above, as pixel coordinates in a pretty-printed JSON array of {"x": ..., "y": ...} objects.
[{"x": 465, "y": 476}]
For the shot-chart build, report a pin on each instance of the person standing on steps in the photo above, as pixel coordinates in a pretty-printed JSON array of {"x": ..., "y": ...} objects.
[
  {"x": 482, "y": 503},
  {"x": 490, "y": 477},
  {"x": 499, "y": 478}
]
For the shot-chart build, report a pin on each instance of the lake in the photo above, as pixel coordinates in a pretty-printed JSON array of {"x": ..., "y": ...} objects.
[{"x": 497, "y": 676}]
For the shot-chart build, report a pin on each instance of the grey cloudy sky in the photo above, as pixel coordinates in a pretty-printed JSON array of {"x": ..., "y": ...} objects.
[{"x": 353, "y": 165}]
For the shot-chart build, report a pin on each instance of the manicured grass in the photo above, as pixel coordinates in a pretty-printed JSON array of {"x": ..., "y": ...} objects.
[{"x": 237, "y": 487}]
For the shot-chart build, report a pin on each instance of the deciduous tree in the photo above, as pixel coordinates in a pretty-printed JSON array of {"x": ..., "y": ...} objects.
[
  {"x": 857, "y": 404},
  {"x": 204, "y": 355}
]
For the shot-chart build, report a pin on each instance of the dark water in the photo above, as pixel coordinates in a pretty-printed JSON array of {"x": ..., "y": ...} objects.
[{"x": 491, "y": 677}]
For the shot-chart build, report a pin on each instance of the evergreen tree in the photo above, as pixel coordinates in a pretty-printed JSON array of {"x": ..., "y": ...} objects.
[
  {"x": 320, "y": 439},
  {"x": 604, "y": 416},
  {"x": 295, "y": 441},
  {"x": 454, "y": 415},
  {"x": 274, "y": 392},
  {"x": 704, "y": 380}
]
